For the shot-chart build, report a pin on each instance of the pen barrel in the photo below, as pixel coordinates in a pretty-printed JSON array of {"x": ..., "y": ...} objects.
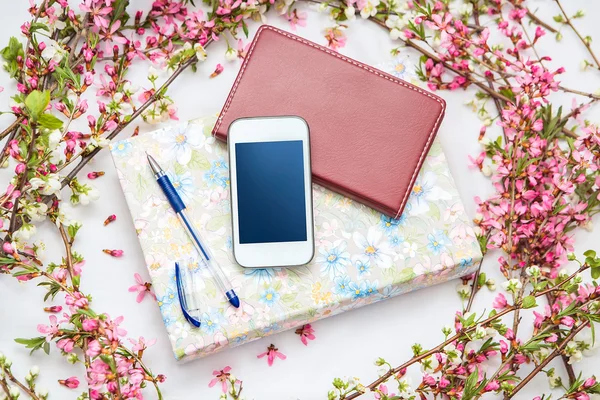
[
  {"x": 171, "y": 194},
  {"x": 205, "y": 253}
]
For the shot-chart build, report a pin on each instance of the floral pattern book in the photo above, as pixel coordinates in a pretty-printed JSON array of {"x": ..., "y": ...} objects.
[{"x": 361, "y": 256}]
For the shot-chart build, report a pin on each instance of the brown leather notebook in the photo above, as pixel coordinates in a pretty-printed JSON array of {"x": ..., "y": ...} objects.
[{"x": 369, "y": 131}]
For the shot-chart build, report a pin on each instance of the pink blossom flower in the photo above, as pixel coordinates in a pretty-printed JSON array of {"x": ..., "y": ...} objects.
[
  {"x": 567, "y": 321},
  {"x": 141, "y": 344},
  {"x": 335, "y": 38},
  {"x": 500, "y": 302},
  {"x": 143, "y": 288},
  {"x": 296, "y": 18},
  {"x": 71, "y": 383},
  {"x": 90, "y": 324},
  {"x": 53, "y": 309},
  {"x": 306, "y": 333},
  {"x": 221, "y": 376},
  {"x": 49, "y": 330},
  {"x": 113, "y": 253},
  {"x": 66, "y": 345},
  {"x": 217, "y": 72},
  {"x": 97, "y": 11},
  {"x": 271, "y": 353},
  {"x": 94, "y": 348}
]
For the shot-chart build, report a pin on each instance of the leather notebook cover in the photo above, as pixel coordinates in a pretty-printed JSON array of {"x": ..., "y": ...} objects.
[{"x": 369, "y": 131}]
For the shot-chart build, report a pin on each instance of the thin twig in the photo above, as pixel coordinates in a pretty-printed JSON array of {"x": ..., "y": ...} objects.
[
  {"x": 24, "y": 388},
  {"x": 538, "y": 21},
  {"x": 474, "y": 287},
  {"x": 583, "y": 40},
  {"x": 69, "y": 255},
  {"x": 11, "y": 127}
]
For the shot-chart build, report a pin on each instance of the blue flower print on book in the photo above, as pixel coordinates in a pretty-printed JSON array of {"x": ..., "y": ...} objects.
[
  {"x": 214, "y": 177},
  {"x": 342, "y": 285},
  {"x": 263, "y": 276},
  {"x": 373, "y": 249},
  {"x": 437, "y": 242},
  {"x": 363, "y": 289},
  {"x": 122, "y": 148},
  {"x": 184, "y": 184},
  {"x": 269, "y": 296},
  {"x": 362, "y": 268},
  {"x": 210, "y": 322},
  {"x": 334, "y": 260},
  {"x": 169, "y": 297},
  {"x": 182, "y": 139},
  {"x": 390, "y": 225},
  {"x": 426, "y": 191}
]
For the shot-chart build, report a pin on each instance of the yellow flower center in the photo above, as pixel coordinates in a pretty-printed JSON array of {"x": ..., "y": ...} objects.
[
  {"x": 180, "y": 139},
  {"x": 209, "y": 323},
  {"x": 370, "y": 250},
  {"x": 342, "y": 286},
  {"x": 435, "y": 244},
  {"x": 388, "y": 224},
  {"x": 269, "y": 296},
  {"x": 331, "y": 258},
  {"x": 357, "y": 291},
  {"x": 418, "y": 189},
  {"x": 121, "y": 146},
  {"x": 176, "y": 184},
  {"x": 400, "y": 68},
  {"x": 362, "y": 267}
]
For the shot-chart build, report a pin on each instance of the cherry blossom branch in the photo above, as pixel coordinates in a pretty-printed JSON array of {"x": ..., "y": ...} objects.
[
  {"x": 583, "y": 40},
  {"x": 11, "y": 127},
  {"x": 547, "y": 360},
  {"x": 67, "y": 242},
  {"x": 438, "y": 348}
]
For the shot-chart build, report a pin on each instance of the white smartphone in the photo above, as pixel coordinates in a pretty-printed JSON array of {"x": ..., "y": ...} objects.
[{"x": 271, "y": 191}]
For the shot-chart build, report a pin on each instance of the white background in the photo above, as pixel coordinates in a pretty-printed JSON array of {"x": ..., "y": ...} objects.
[{"x": 346, "y": 345}]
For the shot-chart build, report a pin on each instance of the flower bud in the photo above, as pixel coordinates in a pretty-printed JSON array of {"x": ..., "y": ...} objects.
[
  {"x": 35, "y": 370},
  {"x": 14, "y": 392}
]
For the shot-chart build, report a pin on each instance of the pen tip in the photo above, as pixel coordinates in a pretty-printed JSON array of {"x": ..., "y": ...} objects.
[{"x": 235, "y": 301}]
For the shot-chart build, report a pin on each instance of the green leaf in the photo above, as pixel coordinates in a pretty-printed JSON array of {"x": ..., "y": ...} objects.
[
  {"x": 37, "y": 26},
  {"x": 590, "y": 253},
  {"x": 36, "y": 103},
  {"x": 34, "y": 343},
  {"x": 50, "y": 121},
  {"x": 245, "y": 28},
  {"x": 529, "y": 302},
  {"x": 471, "y": 385},
  {"x": 199, "y": 161},
  {"x": 595, "y": 272}
]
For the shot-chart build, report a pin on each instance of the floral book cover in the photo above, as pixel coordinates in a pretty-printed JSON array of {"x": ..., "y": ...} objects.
[{"x": 361, "y": 256}]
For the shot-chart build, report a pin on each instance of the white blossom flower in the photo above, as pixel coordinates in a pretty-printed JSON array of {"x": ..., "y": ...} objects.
[
  {"x": 512, "y": 285},
  {"x": 90, "y": 195},
  {"x": 350, "y": 13},
  {"x": 534, "y": 270},
  {"x": 25, "y": 233},
  {"x": 152, "y": 73},
  {"x": 200, "y": 52},
  {"x": 369, "y": 9},
  {"x": 54, "y": 138},
  {"x": 53, "y": 51},
  {"x": 231, "y": 54}
]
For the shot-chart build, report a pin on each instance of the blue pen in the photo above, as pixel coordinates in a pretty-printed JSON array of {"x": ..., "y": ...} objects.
[{"x": 179, "y": 207}]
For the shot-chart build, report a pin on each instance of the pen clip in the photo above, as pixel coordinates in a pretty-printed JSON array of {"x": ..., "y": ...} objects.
[{"x": 182, "y": 298}]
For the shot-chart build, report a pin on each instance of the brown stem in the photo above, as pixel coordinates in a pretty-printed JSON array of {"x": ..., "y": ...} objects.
[
  {"x": 565, "y": 359},
  {"x": 87, "y": 362},
  {"x": 581, "y": 38},
  {"x": 5, "y": 388},
  {"x": 68, "y": 251},
  {"x": 474, "y": 288},
  {"x": 11, "y": 127},
  {"x": 547, "y": 360},
  {"x": 579, "y": 92},
  {"x": 538, "y": 21}
]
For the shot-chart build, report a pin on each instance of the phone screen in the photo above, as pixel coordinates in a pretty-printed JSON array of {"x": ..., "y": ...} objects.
[{"x": 270, "y": 190}]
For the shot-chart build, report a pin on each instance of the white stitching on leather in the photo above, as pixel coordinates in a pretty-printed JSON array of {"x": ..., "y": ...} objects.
[{"x": 353, "y": 62}]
